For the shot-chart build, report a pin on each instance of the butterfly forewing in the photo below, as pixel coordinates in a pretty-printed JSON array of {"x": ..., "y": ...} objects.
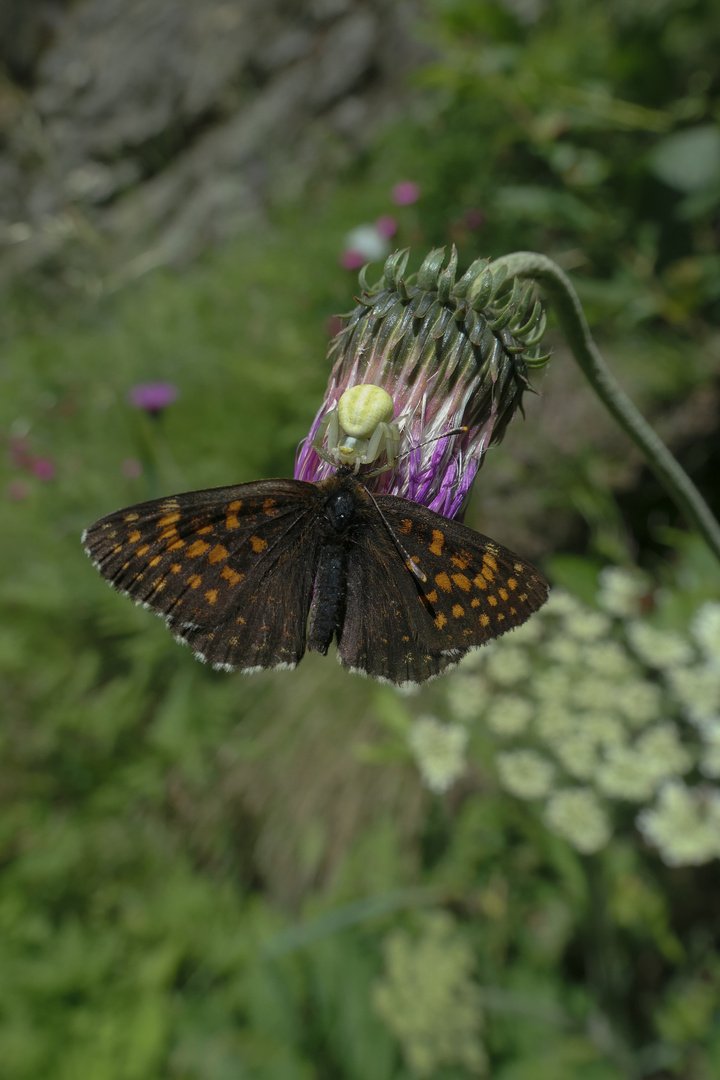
[{"x": 230, "y": 569}]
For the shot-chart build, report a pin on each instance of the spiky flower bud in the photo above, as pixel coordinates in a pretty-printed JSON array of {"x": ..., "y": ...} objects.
[{"x": 454, "y": 357}]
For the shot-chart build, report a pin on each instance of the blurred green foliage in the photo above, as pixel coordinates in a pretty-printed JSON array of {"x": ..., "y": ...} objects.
[{"x": 207, "y": 877}]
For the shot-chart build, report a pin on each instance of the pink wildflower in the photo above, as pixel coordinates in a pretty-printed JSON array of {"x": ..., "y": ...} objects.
[{"x": 405, "y": 193}]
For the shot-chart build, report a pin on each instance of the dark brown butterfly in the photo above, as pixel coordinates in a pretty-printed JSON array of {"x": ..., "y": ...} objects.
[{"x": 251, "y": 576}]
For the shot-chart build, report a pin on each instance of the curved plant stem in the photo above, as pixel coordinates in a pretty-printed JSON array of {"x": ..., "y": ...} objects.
[{"x": 557, "y": 286}]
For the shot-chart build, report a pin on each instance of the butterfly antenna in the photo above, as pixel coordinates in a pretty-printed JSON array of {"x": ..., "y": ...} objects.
[{"x": 412, "y": 566}]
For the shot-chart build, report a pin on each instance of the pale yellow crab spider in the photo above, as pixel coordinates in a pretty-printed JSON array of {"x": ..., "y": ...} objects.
[{"x": 360, "y": 428}]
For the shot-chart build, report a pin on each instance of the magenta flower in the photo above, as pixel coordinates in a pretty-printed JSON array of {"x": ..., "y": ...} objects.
[
  {"x": 131, "y": 468},
  {"x": 43, "y": 468},
  {"x": 473, "y": 218},
  {"x": 20, "y": 453},
  {"x": 387, "y": 226},
  {"x": 17, "y": 491},
  {"x": 350, "y": 259},
  {"x": 450, "y": 355},
  {"x": 405, "y": 193},
  {"x": 153, "y": 397}
]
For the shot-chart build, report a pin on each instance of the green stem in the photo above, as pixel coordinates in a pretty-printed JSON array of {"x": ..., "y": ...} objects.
[{"x": 556, "y": 284}]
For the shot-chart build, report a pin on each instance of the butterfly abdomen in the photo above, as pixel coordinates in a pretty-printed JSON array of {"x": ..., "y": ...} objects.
[{"x": 327, "y": 612}]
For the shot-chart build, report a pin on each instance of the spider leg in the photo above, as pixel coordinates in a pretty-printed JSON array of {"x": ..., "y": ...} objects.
[
  {"x": 378, "y": 442},
  {"x": 329, "y": 426}
]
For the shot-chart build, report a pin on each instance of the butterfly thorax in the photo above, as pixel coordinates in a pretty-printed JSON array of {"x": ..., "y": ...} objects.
[{"x": 346, "y": 502}]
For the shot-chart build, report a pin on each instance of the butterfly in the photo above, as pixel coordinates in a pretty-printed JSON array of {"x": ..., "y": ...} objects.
[{"x": 252, "y": 576}]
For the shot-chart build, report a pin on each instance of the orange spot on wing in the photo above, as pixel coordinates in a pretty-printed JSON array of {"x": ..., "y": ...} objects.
[
  {"x": 258, "y": 544},
  {"x": 211, "y": 596},
  {"x": 432, "y": 596},
  {"x": 240, "y": 620},
  {"x": 176, "y": 545},
  {"x": 500, "y": 616},
  {"x": 440, "y": 621},
  {"x": 194, "y": 581},
  {"x": 405, "y": 526},
  {"x": 231, "y": 521},
  {"x": 480, "y": 582},
  {"x": 218, "y": 553},
  {"x": 487, "y": 573},
  {"x": 131, "y": 517},
  {"x": 168, "y": 534},
  {"x": 231, "y": 575},
  {"x": 176, "y": 568},
  {"x": 169, "y": 519},
  {"x": 143, "y": 550},
  {"x": 134, "y": 536},
  {"x": 205, "y": 529},
  {"x": 503, "y": 594},
  {"x": 484, "y": 619},
  {"x": 475, "y": 602},
  {"x": 268, "y": 506},
  {"x": 155, "y": 561},
  {"x": 523, "y": 597},
  {"x": 512, "y": 583},
  {"x": 490, "y": 561},
  {"x": 198, "y": 547},
  {"x": 462, "y": 582},
  {"x": 438, "y": 539},
  {"x": 462, "y": 561},
  {"x": 443, "y": 582},
  {"x": 492, "y": 601},
  {"x": 458, "y": 611}
]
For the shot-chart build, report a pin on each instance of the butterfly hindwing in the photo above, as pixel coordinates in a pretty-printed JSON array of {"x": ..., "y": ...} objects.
[
  {"x": 385, "y": 633},
  {"x": 402, "y": 628},
  {"x": 230, "y": 569},
  {"x": 475, "y": 589}
]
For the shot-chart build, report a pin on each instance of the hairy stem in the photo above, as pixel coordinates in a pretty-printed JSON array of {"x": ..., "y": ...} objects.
[{"x": 562, "y": 295}]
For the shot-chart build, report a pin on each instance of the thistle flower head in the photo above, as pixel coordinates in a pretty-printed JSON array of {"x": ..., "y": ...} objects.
[{"x": 453, "y": 356}]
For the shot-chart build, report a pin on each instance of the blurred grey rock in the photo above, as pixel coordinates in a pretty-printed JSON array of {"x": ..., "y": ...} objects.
[{"x": 166, "y": 125}]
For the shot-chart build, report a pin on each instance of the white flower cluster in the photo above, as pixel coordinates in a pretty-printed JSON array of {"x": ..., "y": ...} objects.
[
  {"x": 439, "y": 751},
  {"x": 429, "y": 999},
  {"x": 602, "y": 706}
]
